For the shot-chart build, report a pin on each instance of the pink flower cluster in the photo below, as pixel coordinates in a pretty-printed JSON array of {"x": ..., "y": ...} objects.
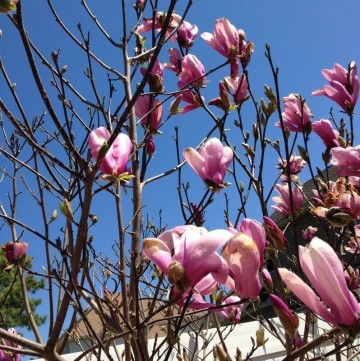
[
  {"x": 189, "y": 257},
  {"x": 343, "y": 88}
]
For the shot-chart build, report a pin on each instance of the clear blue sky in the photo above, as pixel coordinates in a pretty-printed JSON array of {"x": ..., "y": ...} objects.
[{"x": 305, "y": 37}]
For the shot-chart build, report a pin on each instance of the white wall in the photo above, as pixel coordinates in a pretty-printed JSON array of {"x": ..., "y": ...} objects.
[{"x": 240, "y": 337}]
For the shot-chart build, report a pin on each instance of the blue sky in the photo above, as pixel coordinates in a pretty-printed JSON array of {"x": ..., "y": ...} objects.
[{"x": 305, "y": 37}]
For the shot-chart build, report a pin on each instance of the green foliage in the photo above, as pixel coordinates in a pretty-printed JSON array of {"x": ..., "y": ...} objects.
[{"x": 12, "y": 310}]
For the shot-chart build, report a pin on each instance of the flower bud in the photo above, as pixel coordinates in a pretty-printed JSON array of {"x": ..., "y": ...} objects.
[
  {"x": 15, "y": 251},
  {"x": 289, "y": 320},
  {"x": 275, "y": 234},
  {"x": 7, "y": 5},
  {"x": 66, "y": 210}
]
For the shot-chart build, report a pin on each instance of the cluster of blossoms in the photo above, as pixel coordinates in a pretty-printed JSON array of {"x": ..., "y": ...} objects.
[
  {"x": 198, "y": 262},
  {"x": 344, "y": 90},
  {"x": 188, "y": 256}
]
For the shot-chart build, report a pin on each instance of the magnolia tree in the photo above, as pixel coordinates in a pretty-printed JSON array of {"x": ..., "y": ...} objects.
[{"x": 75, "y": 174}]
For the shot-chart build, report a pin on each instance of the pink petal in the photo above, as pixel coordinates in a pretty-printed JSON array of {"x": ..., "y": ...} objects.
[
  {"x": 306, "y": 295},
  {"x": 158, "y": 252}
]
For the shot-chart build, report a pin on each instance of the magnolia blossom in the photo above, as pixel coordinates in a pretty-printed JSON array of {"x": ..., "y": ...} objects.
[
  {"x": 347, "y": 160},
  {"x": 295, "y": 166},
  {"x": 159, "y": 22},
  {"x": 175, "y": 61},
  {"x": 149, "y": 110},
  {"x": 14, "y": 251},
  {"x": 343, "y": 88},
  {"x": 7, "y": 5},
  {"x": 225, "y": 39},
  {"x": 116, "y": 157},
  {"x": 186, "y": 34},
  {"x": 296, "y": 115},
  {"x": 192, "y": 72},
  {"x": 283, "y": 202},
  {"x": 239, "y": 87},
  {"x": 187, "y": 254},
  {"x": 244, "y": 259},
  {"x": 245, "y": 255},
  {"x": 7, "y": 355},
  {"x": 324, "y": 129},
  {"x": 210, "y": 162},
  {"x": 192, "y": 100},
  {"x": 324, "y": 270},
  {"x": 156, "y": 76}
]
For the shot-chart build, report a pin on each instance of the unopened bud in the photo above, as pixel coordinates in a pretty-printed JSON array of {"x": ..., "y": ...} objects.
[
  {"x": 260, "y": 337},
  {"x": 54, "y": 215},
  {"x": 66, "y": 209}
]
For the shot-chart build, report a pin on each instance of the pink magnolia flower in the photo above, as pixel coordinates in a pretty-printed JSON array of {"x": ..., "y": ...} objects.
[
  {"x": 225, "y": 39},
  {"x": 245, "y": 253},
  {"x": 282, "y": 202},
  {"x": 6, "y": 355},
  {"x": 239, "y": 88},
  {"x": 192, "y": 72},
  {"x": 210, "y": 162},
  {"x": 149, "y": 110},
  {"x": 175, "y": 61},
  {"x": 320, "y": 264},
  {"x": 192, "y": 99},
  {"x": 156, "y": 77},
  {"x": 288, "y": 319},
  {"x": 14, "y": 251},
  {"x": 296, "y": 164},
  {"x": 324, "y": 129},
  {"x": 159, "y": 22},
  {"x": 244, "y": 259},
  {"x": 186, "y": 34},
  {"x": 7, "y": 5},
  {"x": 117, "y": 156},
  {"x": 343, "y": 88},
  {"x": 296, "y": 115},
  {"x": 188, "y": 254},
  {"x": 347, "y": 160}
]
